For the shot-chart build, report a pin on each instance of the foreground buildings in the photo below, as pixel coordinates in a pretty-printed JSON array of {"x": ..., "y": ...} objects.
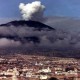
[{"x": 29, "y": 67}]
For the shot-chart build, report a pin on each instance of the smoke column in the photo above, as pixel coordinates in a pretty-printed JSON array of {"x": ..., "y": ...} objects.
[{"x": 32, "y": 11}]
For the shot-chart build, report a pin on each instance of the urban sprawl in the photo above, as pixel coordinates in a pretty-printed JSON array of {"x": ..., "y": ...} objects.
[{"x": 30, "y": 67}]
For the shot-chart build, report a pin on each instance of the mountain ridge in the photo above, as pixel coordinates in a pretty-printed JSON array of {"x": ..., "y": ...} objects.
[{"x": 30, "y": 23}]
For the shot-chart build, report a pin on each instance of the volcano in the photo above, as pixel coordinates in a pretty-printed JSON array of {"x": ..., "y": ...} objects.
[{"x": 35, "y": 24}]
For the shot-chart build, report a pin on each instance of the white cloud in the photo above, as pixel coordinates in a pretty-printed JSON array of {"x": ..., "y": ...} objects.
[{"x": 32, "y": 11}]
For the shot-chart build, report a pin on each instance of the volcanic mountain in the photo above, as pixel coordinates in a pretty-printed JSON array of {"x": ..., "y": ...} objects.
[
  {"x": 34, "y": 37},
  {"x": 14, "y": 30},
  {"x": 37, "y": 25}
]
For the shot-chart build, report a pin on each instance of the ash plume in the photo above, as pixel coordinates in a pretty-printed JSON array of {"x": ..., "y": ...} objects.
[{"x": 32, "y": 11}]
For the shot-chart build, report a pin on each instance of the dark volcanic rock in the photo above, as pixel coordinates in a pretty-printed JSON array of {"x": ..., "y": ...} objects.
[{"x": 37, "y": 25}]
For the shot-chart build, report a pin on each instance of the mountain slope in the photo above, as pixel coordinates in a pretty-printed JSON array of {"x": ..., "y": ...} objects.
[
  {"x": 24, "y": 31},
  {"x": 34, "y": 37},
  {"x": 37, "y": 25}
]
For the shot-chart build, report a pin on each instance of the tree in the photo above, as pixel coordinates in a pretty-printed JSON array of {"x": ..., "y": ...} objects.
[{"x": 53, "y": 78}]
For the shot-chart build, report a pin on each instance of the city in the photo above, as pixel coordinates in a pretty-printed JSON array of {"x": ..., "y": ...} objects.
[{"x": 30, "y": 67}]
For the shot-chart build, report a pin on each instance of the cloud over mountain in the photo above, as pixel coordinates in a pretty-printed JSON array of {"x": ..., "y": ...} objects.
[{"x": 32, "y": 34}]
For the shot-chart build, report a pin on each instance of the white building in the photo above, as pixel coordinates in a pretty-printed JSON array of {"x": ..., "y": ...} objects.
[{"x": 48, "y": 70}]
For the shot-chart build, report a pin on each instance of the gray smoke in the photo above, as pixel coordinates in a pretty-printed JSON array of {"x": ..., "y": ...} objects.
[
  {"x": 32, "y": 11},
  {"x": 15, "y": 36},
  {"x": 4, "y": 42},
  {"x": 59, "y": 39}
]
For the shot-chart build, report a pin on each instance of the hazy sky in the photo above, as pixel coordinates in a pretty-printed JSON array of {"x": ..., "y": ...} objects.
[{"x": 9, "y": 8}]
